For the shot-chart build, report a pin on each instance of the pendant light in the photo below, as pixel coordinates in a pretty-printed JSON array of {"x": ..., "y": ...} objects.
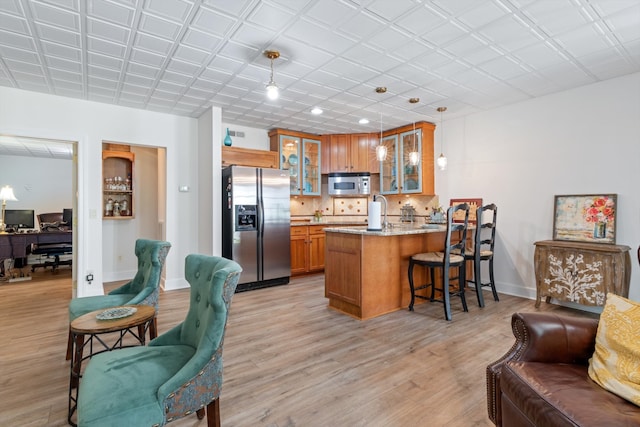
[
  {"x": 272, "y": 88},
  {"x": 442, "y": 160},
  {"x": 381, "y": 149},
  {"x": 414, "y": 156}
]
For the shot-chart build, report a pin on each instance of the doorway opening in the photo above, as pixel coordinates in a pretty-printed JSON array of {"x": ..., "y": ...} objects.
[{"x": 43, "y": 173}]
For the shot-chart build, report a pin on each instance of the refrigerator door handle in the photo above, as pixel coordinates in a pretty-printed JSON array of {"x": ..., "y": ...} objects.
[{"x": 260, "y": 224}]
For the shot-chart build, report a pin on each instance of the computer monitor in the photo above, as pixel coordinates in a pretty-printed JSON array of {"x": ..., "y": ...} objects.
[
  {"x": 67, "y": 217},
  {"x": 19, "y": 218}
]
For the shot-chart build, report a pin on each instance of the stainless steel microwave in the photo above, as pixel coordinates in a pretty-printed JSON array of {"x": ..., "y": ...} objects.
[{"x": 349, "y": 184}]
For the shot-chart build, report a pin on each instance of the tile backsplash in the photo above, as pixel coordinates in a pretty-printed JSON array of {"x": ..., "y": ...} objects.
[{"x": 357, "y": 207}]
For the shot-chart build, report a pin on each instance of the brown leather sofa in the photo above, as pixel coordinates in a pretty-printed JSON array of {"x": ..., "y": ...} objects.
[{"x": 543, "y": 381}]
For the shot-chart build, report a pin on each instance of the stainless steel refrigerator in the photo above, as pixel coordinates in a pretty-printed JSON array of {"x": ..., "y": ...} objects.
[{"x": 256, "y": 225}]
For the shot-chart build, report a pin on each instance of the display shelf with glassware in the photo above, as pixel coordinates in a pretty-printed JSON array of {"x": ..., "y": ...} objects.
[
  {"x": 300, "y": 155},
  {"x": 389, "y": 166},
  {"x": 398, "y": 173},
  {"x": 118, "y": 184}
]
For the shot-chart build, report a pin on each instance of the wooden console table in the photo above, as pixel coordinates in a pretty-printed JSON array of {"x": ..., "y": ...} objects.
[{"x": 579, "y": 272}]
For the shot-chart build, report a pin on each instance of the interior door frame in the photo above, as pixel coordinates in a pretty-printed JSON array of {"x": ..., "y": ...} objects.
[{"x": 76, "y": 190}]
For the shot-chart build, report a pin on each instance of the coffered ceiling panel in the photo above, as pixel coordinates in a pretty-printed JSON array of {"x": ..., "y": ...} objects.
[{"x": 184, "y": 56}]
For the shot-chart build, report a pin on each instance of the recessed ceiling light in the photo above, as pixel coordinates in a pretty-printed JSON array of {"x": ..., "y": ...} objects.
[
  {"x": 363, "y": 121},
  {"x": 316, "y": 110}
]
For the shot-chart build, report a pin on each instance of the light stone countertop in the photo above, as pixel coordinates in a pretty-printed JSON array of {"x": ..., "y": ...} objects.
[
  {"x": 328, "y": 223},
  {"x": 395, "y": 230}
]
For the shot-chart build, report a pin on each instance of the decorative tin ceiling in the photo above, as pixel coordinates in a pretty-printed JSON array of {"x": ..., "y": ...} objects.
[{"x": 181, "y": 57}]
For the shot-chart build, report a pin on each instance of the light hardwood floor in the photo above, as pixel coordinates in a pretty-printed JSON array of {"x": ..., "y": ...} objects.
[{"x": 288, "y": 359}]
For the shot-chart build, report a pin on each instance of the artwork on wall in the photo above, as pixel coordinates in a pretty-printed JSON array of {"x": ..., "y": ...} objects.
[
  {"x": 473, "y": 205},
  {"x": 585, "y": 218}
]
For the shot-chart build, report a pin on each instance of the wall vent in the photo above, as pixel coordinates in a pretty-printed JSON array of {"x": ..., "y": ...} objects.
[{"x": 238, "y": 133}]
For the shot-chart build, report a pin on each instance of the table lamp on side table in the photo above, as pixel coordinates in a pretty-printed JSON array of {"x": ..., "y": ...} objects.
[{"x": 6, "y": 193}]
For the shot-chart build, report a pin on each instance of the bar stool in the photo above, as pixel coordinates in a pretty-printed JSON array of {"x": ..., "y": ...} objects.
[
  {"x": 483, "y": 251},
  {"x": 445, "y": 261}
]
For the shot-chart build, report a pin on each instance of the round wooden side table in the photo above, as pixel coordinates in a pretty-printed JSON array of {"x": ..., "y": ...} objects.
[{"x": 86, "y": 331}]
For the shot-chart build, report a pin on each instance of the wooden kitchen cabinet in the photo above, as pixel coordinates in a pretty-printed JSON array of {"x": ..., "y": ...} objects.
[
  {"x": 350, "y": 153},
  {"x": 397, "y": 176},
  {"x": 249, "y": 157},
  {"x": 301, "y": 155},
  {"x": 307, "y": 249},
  {"x": 581, "y": 272},
  {"x": 316, "y": 248},
  {"x": 299, "y": 237},
  {"x": 343, "y": 282}
]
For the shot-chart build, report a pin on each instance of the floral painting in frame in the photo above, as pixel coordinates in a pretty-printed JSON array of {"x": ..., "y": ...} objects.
[{"x": 585, "y": 218}]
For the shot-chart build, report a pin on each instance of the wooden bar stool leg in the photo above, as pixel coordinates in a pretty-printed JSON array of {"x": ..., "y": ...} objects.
[
  {"x": 432, "y": 274},
  {"x": 462, "y": 280},
  {"x": 413, "y": 292},
  {"x": 445, "y": 295},
  {"x": 493, "y": 282}
]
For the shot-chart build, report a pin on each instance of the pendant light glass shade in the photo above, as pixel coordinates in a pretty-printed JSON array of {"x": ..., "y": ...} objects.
[
  {"x": 272, "y": 88},
  {"x": 414, "y": 158},
  {"x": 442, "y": 160},
  {"x": 381, "y": 150},
  {"x": 272, "y": 91}
]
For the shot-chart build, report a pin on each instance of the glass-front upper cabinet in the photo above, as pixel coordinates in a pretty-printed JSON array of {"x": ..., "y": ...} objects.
[
  {"x": 310, "y": 167},
  {"x": 389, "y": 166},
  {"x": 410, "y": 161},
  {"x": 301, "y": 157},
  {"x": 289, "y": 154}
]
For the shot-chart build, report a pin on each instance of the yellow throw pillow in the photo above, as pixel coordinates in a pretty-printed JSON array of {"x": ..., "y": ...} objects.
[{"x": 615, "y": 364}]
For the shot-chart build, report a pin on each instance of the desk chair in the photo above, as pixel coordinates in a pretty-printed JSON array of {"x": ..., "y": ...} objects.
[
  {"x": 144, "y": 288},
  {"x": 451, "y": 257},
  {"x": 483, "y": 248},
  {"x": 178, "y": 373},
  {"x": 52, "y": 221}
]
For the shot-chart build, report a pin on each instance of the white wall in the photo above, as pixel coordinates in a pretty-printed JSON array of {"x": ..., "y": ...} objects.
[
  {"x": 43, "y": 185},
  {"x": 46, "y": 116},
  {"x": 582, "y": 141},
  {"x": 255, "y": 138}
]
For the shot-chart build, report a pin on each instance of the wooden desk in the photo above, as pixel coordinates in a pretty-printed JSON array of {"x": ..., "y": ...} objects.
[
  {"x": 14, "y": 245},
  {"x": 581, "y": 272},
  {"x": 88, "y": 325}
]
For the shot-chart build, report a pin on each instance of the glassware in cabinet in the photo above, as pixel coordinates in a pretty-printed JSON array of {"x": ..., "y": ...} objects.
[
  {"x": 289, "y": 160},
  {"x": 389, "y": 166},
  {"x": 311, "y": 167},
  {"x": 411, "y": 174},
  {"x": 118, "y": 184}
]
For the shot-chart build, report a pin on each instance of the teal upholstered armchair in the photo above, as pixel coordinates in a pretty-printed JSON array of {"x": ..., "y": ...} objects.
[
  {"x": 144, "y": 288},
  {"x": 178, "y": 373}
]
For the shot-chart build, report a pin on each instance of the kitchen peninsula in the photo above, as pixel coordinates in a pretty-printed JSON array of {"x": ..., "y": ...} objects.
[{"x": 366, "y": 271}]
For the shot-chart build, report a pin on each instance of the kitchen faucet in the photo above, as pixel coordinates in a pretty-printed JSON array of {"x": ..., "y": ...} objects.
[{"x": 385, "y": 224}]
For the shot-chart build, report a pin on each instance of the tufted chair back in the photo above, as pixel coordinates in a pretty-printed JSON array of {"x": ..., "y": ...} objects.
[
  {"x": 213, "y": 282},
  {"x": 179, "y": 372},
  {"x": 146, "y": 283}
]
